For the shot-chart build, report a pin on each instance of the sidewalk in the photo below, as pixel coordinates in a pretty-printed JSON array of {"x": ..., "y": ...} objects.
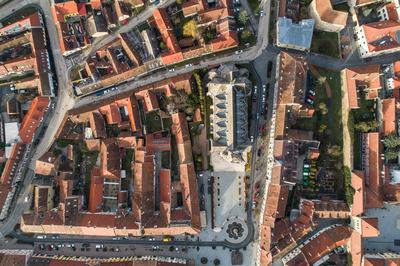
[{"x": 347, "y": 145}]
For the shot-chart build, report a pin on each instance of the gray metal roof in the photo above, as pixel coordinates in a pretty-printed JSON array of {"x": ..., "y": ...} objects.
[{"x": 297, "y": 34}]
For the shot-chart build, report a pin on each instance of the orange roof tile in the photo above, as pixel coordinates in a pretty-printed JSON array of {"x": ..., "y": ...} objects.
[
  {"x": 373, "y": 179},
  {"x": 328, "y": 14},
  {"x": 389, "y": 116},
  {"x": 356, "y": 248},
  {"x": 166, "y": 29},
  {"x": 326, "y": 242},
  {"x": 96, "y": 191},
  {"x": 370, "y": 227},
  {"x": 357, "y": 182},
  {"x": 10, "y": 169},
  {"x": 61, "y": 10},
  {"x": 110, "y": 163},
  {"x": 33, "y": 118},
  {"x": 368, "y": 76},
  {"x": 376, "y": 32}
]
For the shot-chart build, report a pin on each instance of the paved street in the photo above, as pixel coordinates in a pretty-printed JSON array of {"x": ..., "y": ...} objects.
[{"x": 230, "y": 203}]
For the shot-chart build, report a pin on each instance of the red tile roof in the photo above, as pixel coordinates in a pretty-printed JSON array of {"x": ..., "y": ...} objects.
[
  {"x": 166, "y": 29},
  {"x": 377, "y": 32},
  {"x": 368, "y": 76},
  {"x": 96, "y": 191},
  {"x": 357, "y": 182},
  {"x": 98, "y": 125},
  {"x": 110, "y": 163},
  {"x": 10, "y": 169},
  {"x": 389, "y": 116},
  {"x": 370, "y": 227},
  {"x": 61, "y": 10},
  {"x": 326, "y": 242},
  {"x": 373, "y": 172},
  {"x": 328, "y": 14},
  {"x": 33, "y": 118}
]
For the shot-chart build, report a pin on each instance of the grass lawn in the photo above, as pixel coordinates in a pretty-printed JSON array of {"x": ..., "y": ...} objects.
[
  {"x": 153, "y": 122},
  {"x": 306, "y": 123},
  {"x": 332, "y": 122},
  {"x": 335, "y": 114},
  {"x": 326, "y": 43}
]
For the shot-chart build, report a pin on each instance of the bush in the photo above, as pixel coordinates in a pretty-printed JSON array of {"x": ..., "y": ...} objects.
[
  {"x": 366, "y": 126},
  {"x": 392, "y": 147},
  {"x": 348, "y": 189},
  {"x": 201, "y": 92},
  {"x": 190, "y": 29}
]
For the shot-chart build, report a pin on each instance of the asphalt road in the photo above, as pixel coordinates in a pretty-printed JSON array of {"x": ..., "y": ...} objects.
[{"x": 66, "y": 101}]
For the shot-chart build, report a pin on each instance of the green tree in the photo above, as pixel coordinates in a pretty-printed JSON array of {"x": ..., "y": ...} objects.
[
  {"x": 366, "y": 126},
  {"x": 334, "y": 151},
  {"x": 391, "y": 141},
  {"x": 322, "y": 128},
  {"x": 246, "y": 34},
  {"x": 190, "y": 29},
  {"x": 243, "y": 17},
  {"x": 321, "y": 80},
  {"x": 323, "y": 108},
  {"x": 162, "y": 45},
  {"x": 391, "y": 154}
]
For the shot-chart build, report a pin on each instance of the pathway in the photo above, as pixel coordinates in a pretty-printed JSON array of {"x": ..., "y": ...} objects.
[{"x": 347, "y": 145}]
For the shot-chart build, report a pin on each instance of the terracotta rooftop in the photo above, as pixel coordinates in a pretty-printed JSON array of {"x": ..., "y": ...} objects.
[
  {"x": 292, "y": 78},
  {"x": 33, "y": 118},
  {"x": 356, "y": 247},
  {"x": 96, "y": 191},
  {"x": 97, "y": 124},
  {"x": 69, "y": 40},
  {"x": 357, "y": 182},
  {"x": 326, "y": 242},
  {"x": 370, "y": 227},
  {"x": 389, "y": 116},
  {"x": 328, "y": 14},
  {"x": 373, "y": 180},
  {"x": 10, "y": 169},
  {"x": 381, "y": 31},
  {"x": 365, "y": 78},
  {"x": 110, "y": 166}
]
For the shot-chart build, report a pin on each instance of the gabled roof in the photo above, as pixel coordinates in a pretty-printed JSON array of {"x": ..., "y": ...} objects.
[
  {"x": 382, "y": 35},
  {"x": 328, "y": 14},
  {"x": 96, "y": 190},
  {"x": 357, "y": 182},
  {"x": 374, "y": 168},
  {"x": 368, "y": 76},
  {"x": 389, "y": 116},
  {"x": 33, "y": 118},
  {"x": 370, "y": 227},
  {"x": 61, "y": 10}
]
